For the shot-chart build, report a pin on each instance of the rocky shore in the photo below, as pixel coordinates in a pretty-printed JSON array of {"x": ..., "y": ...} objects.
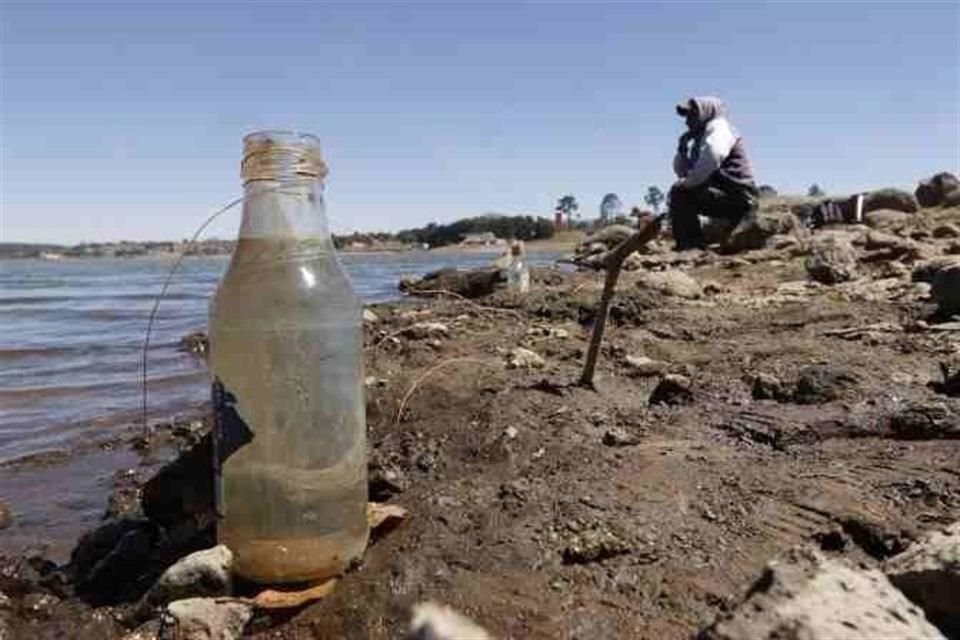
[{"x": 771, "y": 450}]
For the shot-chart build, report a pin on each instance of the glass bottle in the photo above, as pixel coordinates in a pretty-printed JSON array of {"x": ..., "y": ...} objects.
[
  {"x": 286, "y": 355},
  {"x": 518, "y": 274}
]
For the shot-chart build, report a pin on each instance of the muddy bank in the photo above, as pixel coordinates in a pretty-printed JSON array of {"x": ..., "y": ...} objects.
[{"x": 736, "y": 417}]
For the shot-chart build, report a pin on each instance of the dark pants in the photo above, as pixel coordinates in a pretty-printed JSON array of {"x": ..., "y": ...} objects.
[{"x": 713, "y": 199}]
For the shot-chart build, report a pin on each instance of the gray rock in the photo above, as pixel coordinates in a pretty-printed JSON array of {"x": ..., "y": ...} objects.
[
  {"x": 521, "y": 358},
  {"x": 929, "y": 574},
  {"x": 204, "y": 573},
  {"x": 895, "y": 199},
  {"x": 473, "y": 283},
  {"x": 806, "y": 596},
  {"x": 951, "y": 199},
  {"x": 672, "y": 389},
  {"x": 768, "y": 387},
  {"x": 933, "y": 191},
  {"x": 831, "y": 260},
  {"x": 670, "y": 283},
  {"x": 205, "y": 619},
  {"x": 928, "y": 421},
  {"x": 642, "y": 366},
  {"x": 945, "y": 289},
  {"x": 421, "y": 330},
  {"x": 754, "y": 233},
  {"x": 883, "y": 218},
  {"x": 620, "y": 437},
  {"x": 822, "y": 383}
]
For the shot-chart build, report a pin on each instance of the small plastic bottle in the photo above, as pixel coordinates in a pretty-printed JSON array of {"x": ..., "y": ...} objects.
[
  {"x": 518, "y": 274},
  {"x": 286, "y": 354}
]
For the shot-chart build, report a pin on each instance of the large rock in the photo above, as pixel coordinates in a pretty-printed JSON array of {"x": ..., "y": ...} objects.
[
  {"x": 945, "y": 289},
  {"x": 111, "y": 558},
  {"x": 925, "y": 421},
  {"x": 204, "y": 573},
  {"x": 883, "y": 218},
  {"x": 933, "y": 191},
  {"x": 832, "y": 259},
  {"x": 806, "y": 596},
  {"x": 206, "y": 619},
  {"x": 929, "y": 574},
  {"x": 886, "y": 246},
  {"x": 467, "y": 283},
  {"x": 672, "y": 282},
  {"x": 895, "y": 199},
  {"x": 822, "y": 383},
  {"x": 754, "y": 232}
]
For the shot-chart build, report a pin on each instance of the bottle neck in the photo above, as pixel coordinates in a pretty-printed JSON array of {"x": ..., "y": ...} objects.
[{"x": 284, "y": 210}]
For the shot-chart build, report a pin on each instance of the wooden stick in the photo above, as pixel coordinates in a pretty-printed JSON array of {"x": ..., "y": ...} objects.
[{"x": 613, "y": 263}]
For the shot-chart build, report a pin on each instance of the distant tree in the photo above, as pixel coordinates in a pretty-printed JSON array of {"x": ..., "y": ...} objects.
[
  {"x": 568, "y": 205},
  {"x": 654, "y": 198},
  {"x": 610, "y": 207},
  {"x": 766, "y": 191},
  {"x": 815, "y": 191}
]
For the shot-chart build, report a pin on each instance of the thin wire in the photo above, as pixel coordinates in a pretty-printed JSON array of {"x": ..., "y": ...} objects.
[{"x": 166, "y": 285}]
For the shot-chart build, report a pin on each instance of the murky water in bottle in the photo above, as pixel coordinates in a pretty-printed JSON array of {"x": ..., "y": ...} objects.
[{"x": 286, "y": 345}]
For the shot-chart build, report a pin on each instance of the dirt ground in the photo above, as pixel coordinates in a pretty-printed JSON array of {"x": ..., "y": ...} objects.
[
  {"x": 546, "y": 510},
  {"x": 542, "y": 509}
]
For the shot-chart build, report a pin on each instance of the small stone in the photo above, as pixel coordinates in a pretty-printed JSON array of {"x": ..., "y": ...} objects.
[
  {"x": 39, "y": 606},
  {"x": 436, "y": 622},
  {"x": 592, "y": 545},
  {"x": 204, "y": 573},
  {"x": 421, "y": 330},
  {"x": 711, "y": 287},
  {"x": 370, "y": 317},
  {"x": 672, "y": 389},
  {"x": 206, "y": 619},
  {"x": 768, "y": 387},
  {"x": 673, "y": 282},
  {"x": 510, "y": 433},
  {"x": 642, "y": 366},
  {"x": 619, "y": 437},
  {"x": 520, "y": 358}
]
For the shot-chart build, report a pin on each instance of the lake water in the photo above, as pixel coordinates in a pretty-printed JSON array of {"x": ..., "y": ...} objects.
[{"x": 71, "y": 334}]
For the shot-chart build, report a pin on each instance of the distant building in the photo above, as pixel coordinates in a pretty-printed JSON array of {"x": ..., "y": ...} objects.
[{"x": 558, "y": 220}]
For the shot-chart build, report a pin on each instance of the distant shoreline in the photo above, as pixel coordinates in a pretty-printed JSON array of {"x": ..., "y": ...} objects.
[{"x": 564, "y": 240}]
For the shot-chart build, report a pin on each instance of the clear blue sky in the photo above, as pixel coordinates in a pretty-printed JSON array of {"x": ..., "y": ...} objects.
[{"x": 124, "y": 119}]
